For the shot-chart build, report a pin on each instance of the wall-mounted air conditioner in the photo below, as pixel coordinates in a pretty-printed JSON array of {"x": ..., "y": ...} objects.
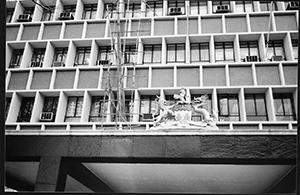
[
  {"x": 24, "y": 18},
  {"x": 35, "y": 64},
  {"x": 147, "y": 117},
  {"x": 46, "y": 116},
  {"x": 102, "y": 62},
  {"x": 66, "y": 16},
  {"x": 58, "y": 64},
  {"x": 293, "y": 5},
  {"x": 175, "y": 11},
  {"x": 251, "y": 59},
  {"x": 222, "y": 8}
]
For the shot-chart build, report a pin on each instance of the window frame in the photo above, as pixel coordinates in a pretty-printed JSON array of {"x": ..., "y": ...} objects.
[
  {"x": 77, "y": 104},
  {"x": 7, "y": 106},
  {"x": 85, "y": 52},
  {"x": 244, "y": 6},
  {"x": 152, "y": 53},
  {"x": 223, "y": 46},
  {"x": 274, "y": 45},
  {"x": 200, "y": 46},
  {"x": 248, "y": 45},
  {"x": 256, "y": 115},
  {"x": 102, "y": 111},
  {"x": 229, "y": 115},
  {"x": 198, "y": 6},
  {"x": 92, "y": 9},
  {"x": 176, "y": 52},
  {"x": 38, "y": 55},
  {"x": 295, "y": 47},
  {"x": 9, "y": 14},
  {"x": 16, "y": 58},
  {"x": 26, "y": 108},
  {"x": 282, "y": 96},
  {"x": 130, "y": 54},
  {"x": 267, "y": 5},
  {"x": 61, "y": 54},
  {"x": 155, "y": 5},
  {"x": 134, "y": 10},
  {"x": 105, "y": 51},
  {"x": 48, "y": 15},
  {"x": 112, "y": 12}
]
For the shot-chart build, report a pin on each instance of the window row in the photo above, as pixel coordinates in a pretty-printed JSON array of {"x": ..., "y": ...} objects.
[
  {"x": 225, "y": 52},
  {"x": 102, "y": 108},
  {"x": 25, "y": 13},
  {"x": 279, "y": 22}
]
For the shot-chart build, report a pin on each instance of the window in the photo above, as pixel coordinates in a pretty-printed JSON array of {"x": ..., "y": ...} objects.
[
  {"x": 37, "y": 57},
  {"x": 98, "y": 110},
  {"x": 129, "y": 103},
  {"x": 176, "y": 53},
  {"x": 16, "y": 58},
  {"x": 244, "y": 6},
  {"x": 199, "y": 52},
  {"x": 82, "y": 56},
  {"x": 224, "y": 52},
  {"x": 89, "y": 11},
  {"x": 48, "y": 14},
  {"x": 110, "y": 10},
  {"x": 152, "y": 54},
  {"x": 133, "y": 10},
  {"x": 60, "y": 56},
  {"x": 284, "y": 107},
  {"x": 9, "y": 14},
  {"x": 176, "y": 4},
  {"x": 256, "y": 107},
  {"x": 266, "y": 6},
  {"x": 208, "y": 106},
  {"x": 228, "y": 107},
  {"x": 74, "y": 109},
  {"x": 275, "y": 51},
  {"x": 198, "y": 7},
  {"x": 148, "y": 106},
  {"x": 25, "y": 109},
  {"x": 154, "y": 8},
  {"x": 104, "y": 53},
  {"x": 50, "y": 105},
  {"x": 70, "y": 8},
  {"x": 295, "y": 48},
  {"x": 249, "y": 48},
  {"x": 130, "y": 55},
  {"x": 28, "y": 10},
  {"x": 7, "y": 106}
]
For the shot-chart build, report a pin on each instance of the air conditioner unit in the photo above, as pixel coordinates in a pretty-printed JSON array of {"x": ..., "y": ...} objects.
[
  {"x": 24, "y": 18},
  {"x": 175, "y": 11},
  {"x": 276, "y": 58},
  {"x": 36, "y": 64},
  {"x": 251, "y": 59},
  {"x": 46, "y": 116},
  {"x": 58, "y": 64},
  {"x": 147, "y": 117},
  {"x": 293, "y": 5},
  {"x": 102, "y": 62},
  {"x": 222, "y": 8},
  {"x": 66, "y": 16}
]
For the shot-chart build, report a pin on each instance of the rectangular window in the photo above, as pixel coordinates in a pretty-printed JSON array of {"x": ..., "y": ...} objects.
[
  {"x": 256, "y": 107},
  {"x": 275, "y": 51},
  {"x": 200, "y": 52},
  {"x": 82, "y": 56},
  {"x": 154, "y": 8},
  {"x": 60, "y": 56},
  {"x": 224, "y": 52},
  {"x": 129, "y": 103},
  {"x": 98, "y": 110},
  {"x": 152, "y": 54},
  {"x": 25, "y": 109},
  {"x": 38, "y": 57},
  {"x": 207, "y": 106},
  {"x": 130, "y": 55},
  {"x": 89, "y": 11},
  {"x": 176, "y": 53},
  {"x": 148, "y": 106},
  {"x": 16, "y": 58},
  {"x": 249, "y": 48},
  {"x": 267, "y": 6},
  {"x": 70, "y": 8},
  {"x": 48, "y": 14},
  {"x": 105, "y": 53},
  {"x": 7, "y": 106},
  {"x": 9, "y": 14},
  {"x": 50, "y": 105},
  {"x": 295, "y": 48},
  {"x": 110, "y": 10},
  {"x": 284, "y": 107},
  {"x": 74, "y": 109},
  {"x": 28, "y": 10},
  {"x": 198, "y": 7},
  {"x": 133, "y": 10},
  {"x": 244, "y": 6},
  {"x": 228, "y": 107}
]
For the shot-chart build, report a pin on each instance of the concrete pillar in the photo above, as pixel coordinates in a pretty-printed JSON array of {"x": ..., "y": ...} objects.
[{"x": 47, "y": 175}]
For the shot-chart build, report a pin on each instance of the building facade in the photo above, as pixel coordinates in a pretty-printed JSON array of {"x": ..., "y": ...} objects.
[{"x": 64, "y": 131}]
